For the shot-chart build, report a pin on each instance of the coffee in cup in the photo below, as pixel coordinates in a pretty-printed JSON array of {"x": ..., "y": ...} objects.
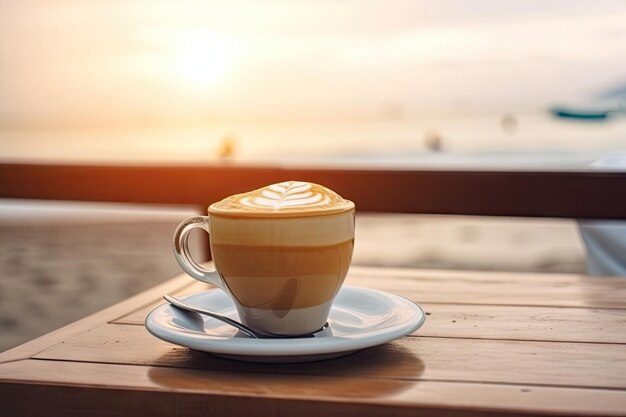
[{"x": 281, "y": 252}]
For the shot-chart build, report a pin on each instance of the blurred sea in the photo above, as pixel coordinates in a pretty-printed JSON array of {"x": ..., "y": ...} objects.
[{"x": 527, "y": 140}]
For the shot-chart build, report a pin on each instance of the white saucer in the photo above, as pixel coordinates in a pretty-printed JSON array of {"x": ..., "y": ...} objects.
[{"x": 359, "y": 318}]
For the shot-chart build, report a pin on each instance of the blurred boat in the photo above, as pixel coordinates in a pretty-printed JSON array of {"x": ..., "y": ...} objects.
[
  {"x": 581, "y": 114},
  {"x": 602, "y": 106}
]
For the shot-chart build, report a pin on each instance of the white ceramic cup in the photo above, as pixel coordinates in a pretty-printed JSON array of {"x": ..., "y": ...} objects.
[{"x": 281, "y": 272}]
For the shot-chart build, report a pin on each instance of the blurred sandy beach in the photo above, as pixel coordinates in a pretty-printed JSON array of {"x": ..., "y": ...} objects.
[{"x": 62, "y": 261}]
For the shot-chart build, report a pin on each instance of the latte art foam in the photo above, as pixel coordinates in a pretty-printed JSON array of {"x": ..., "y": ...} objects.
[
  {"x": 287, "y": 194},
  {"x": 289, "y": 198}
]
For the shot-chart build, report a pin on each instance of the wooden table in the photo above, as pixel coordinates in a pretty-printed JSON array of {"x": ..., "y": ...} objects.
[{"x": 493, "y": 344}]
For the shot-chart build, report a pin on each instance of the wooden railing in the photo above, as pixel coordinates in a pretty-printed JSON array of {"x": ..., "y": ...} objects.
[{"x": 582, "y": 195}]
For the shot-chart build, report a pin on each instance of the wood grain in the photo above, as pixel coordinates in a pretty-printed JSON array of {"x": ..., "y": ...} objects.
[
  {"x": 450, "y": 359},
  {"x": 73, "y": 388},
  {"x": 524, "y": 323},
  {"x": 589, "y": 194},
  {"x": 494, "y": 288}
]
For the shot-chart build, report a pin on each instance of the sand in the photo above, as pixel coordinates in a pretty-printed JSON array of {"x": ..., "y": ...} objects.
[{"x": 60, "y": 262}]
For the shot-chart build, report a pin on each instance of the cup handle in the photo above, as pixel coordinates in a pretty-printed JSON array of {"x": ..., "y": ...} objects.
[{"x": 183, "y": 256}]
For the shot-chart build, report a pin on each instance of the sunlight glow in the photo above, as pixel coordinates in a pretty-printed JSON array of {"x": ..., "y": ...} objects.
[{"x": 202, "y": 59}]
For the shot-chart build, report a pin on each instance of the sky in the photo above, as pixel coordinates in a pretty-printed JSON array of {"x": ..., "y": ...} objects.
[{"x": 138, "y": 63}]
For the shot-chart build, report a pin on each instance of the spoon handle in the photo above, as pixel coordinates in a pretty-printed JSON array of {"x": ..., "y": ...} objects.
[{"x": 184, "y": 306}]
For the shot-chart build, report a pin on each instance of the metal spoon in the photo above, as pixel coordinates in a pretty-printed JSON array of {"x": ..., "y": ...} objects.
[{"x": 188, "y": 307}]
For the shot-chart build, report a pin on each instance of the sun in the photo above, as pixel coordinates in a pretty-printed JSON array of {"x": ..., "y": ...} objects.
[{"x": 202, "y": 59}]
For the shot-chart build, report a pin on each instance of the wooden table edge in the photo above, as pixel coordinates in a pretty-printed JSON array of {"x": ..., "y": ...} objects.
[{"x": 50, "y": 392}]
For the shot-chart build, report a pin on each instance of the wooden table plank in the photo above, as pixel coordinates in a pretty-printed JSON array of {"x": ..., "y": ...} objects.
[
  {"x": 105, "y": 390},
  {"x": 524, "y": 323},
  {"x": 494, "y": 288},
  {"x": 460, "y": 360}
]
